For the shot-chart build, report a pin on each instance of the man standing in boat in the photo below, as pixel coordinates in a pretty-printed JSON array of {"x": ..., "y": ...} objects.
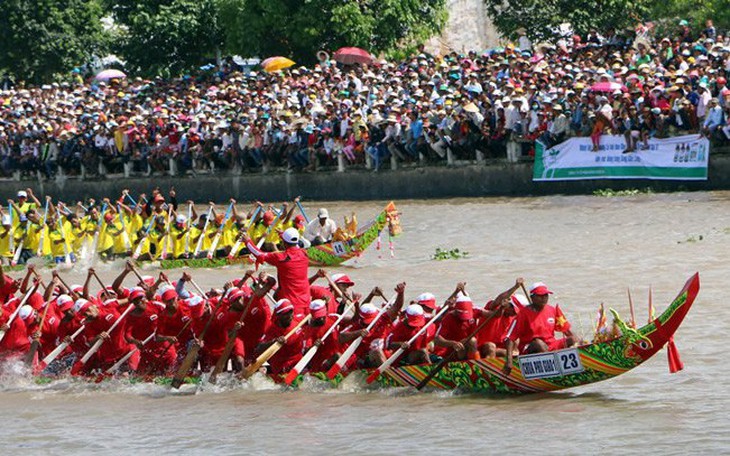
[
  {"x": 535, "y": 327},
  {"x": 292, "y": 266}
]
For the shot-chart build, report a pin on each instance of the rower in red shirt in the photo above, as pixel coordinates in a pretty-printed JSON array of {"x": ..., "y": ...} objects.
[
  {"x": 16, "y": 342},
  {"x": 98, "y": 319},
  {"x": 416, "y": 352},
  {"x": 291, "y": 351},
  {"x": 342, "y": 281},
  {"x": 258, "y": 319},
  {"x": 456, "y": 327},
  {"x": 535, "y": 327},
  {"x": 321, "y": 322},
  {"x": 291, "y": 267},
  {"x": 371, "y": 352},
  {"x": 68, "y": 324},
  {"x": 173, "y": 326},
  {"x": 490, "y": 338},
  {"x": 225, "y": 318},
  {"x": 154, "y": 357},
  {"x": 8, "y": 286}
]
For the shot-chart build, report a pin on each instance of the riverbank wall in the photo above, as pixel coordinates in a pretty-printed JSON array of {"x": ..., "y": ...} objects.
[{"x": 494, "y": 179}]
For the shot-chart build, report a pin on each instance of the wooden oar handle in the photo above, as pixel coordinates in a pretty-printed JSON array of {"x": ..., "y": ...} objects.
[{"x": 527, "y": 295}]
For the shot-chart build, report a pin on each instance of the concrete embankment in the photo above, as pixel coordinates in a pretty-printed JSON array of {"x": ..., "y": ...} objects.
[{"x": 502, "y": 179}]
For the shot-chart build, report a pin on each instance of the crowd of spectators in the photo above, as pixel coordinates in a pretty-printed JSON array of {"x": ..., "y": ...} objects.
[{"x": 425, "y": 109}]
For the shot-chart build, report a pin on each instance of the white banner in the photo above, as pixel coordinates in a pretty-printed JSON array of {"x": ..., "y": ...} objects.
[{"x": 677, "y": 158}]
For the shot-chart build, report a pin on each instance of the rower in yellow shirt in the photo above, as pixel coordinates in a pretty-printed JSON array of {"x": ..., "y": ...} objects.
[
  {"x": 6, "y": 233},
  {"x": 179, "y": 237},
  {"x": 59, "y": 245}
]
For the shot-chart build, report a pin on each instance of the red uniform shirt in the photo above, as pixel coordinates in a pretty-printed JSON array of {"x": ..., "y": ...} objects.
[
  {"x": 403, "y": 333},
  {"x": 17, "y": 340},
  {"x": 116, "y": 346},
  {"x": 454, "y": 328},
  {"x": 7, "y": 289},
  {"x": 292, "y": 268},
  {"x": 324, "y": 293},
  {"x": 171, "y": 325},
  {"x": 375, "y": 338},
  {"x": 330, "y": 346},
  {"x": 530, "y": 325},
  {"x": 495, "y": 330},
  {"x": 289, "y": 354},
  {"x": 255, "y": 325}
]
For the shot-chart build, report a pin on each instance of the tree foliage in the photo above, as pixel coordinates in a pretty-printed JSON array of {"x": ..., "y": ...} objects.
[
  {"x": 694, "y": 11},
  {"x": 299, "y": 28},
  {"x": 541, "y": 18},
  {"x": 44, "y": 38},
  {"x": 165, "y": 37}
]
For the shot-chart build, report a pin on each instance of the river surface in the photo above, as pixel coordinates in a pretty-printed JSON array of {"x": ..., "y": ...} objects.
[{"x": 587, "y": 249}]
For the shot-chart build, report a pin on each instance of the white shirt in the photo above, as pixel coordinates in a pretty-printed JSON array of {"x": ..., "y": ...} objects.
[{"x": 315, "y": 229}]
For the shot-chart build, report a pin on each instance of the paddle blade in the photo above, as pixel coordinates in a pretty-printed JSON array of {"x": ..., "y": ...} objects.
[
  {"x": 373, "y": 376},
  {"x": 185, "y": 367},
  {"x": 30, "y": 356},
  {"x": 291, "y": 376},
  {"x": 334, "y": 370}
]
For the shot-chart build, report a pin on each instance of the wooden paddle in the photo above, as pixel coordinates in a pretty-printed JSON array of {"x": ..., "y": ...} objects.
[
  {"x": 220, "y": 365},
  {"x": 17, "y": 309},
  {"x": 337, "y": 367},
  {"x": 527, "y": 295},
  {"x": 448, "y": 358},
  {"x": 307, "y": 358},
  {"x": 61, "y": 347},
  {"x": 129, "y": 354},
  {"x": 39, "y": 252},
  {"x": 383, "y": 367},
  {"x": 199, "y": 244},
  {"x": 192, "y": 356},
  {"x": 94, "y": 348},
  {"x": 271, "y": 351},
  {"x": 219, "y": 232},
  {"x": 35, "y": 345}
]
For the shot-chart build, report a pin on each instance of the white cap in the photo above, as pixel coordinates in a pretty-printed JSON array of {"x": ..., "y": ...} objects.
[
  {"x": 322, "y": 213},
  {"x": 426, "y": 297},
  {"x": 25, "y": 312},
  {"x": 181, "y": 218},
  {"x": 414, "y": 309},
  {"x": 64, "y": 299},
  {"x": 77, "y": 288},
  {"x": 463, "y": 298},
  {"x": 317, "y": 304},
  {"x": 368, "y": 309},
  {"x": 22, "y": 194},
  {"x": 194, "y": 301},
  {"x": 79, "y": 304},
  {"x": 290, "y": 236}
]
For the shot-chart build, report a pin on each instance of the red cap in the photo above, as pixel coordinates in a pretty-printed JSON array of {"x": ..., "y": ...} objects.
[
  {"x": 268, "y": 218},
  {"x": 427, "y": 300},
  {"x": 414, "y": 316},
  {"x": 283, "y": 306},
  {"x": 64, "y": 303},
  {"x": 464, "y": 308},
  {"x": 299, "y": 220},
  {"x": 108, "y": 217},
  {"x": 136, "y": 293},
  {"x": 159, "y": 199},
  {"x": 237, "y": 293},
  {"x": 318, "y": 308},
  {"x": 540, "y": 289},
  {"x": 368, "y": 312},
  {"x": 169, "y": 294},
  {"x": 343, "y": 279}
]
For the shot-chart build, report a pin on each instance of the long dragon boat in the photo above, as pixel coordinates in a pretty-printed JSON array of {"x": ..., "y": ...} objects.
[
  {"x": 343, "y": 248},
  {"x": 542, "y": 372},
  {"x": 556, "y": 370}
]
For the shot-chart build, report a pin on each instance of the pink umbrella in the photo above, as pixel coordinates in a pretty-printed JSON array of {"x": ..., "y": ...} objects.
[
  {"x": 110, "y": 74},
  {"x": 608, "y": 87},
  {"x": 350, "y": 55}
]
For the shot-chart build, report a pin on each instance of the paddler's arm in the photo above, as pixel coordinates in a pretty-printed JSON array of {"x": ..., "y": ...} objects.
[
  {"x": 89, "y": 275},
  {"x": 180, "y": 286},
  {"x": 509, "y": 347},
  {"x": 508, "y": 293},
  {"x": 320, "y": 273},
  {"x": 234, "y": 214},
  {"x": 30, "y": 193},
  {"x": 290, "y": 212},
  {"x": 376, "y": 291},
  {"x": 47, "y": 296},
  {"x": 51, "y": 207},
  {"x": 117, "y": 284},
  {"x": 24, "y": 283},
  {"x": 173, "y": 199},
  {"x": 193, "y": 213},
  {"x": 266, "y": 283},
  {"x": 395, "y": 309},
  {"x": 349, "y": 336},
  {"x": 254, "y": 250}
]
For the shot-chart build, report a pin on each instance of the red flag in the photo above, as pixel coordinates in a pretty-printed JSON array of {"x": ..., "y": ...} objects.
[
  {"x": 675, "y": 363},
  {"x": 561, "y": 323}
]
